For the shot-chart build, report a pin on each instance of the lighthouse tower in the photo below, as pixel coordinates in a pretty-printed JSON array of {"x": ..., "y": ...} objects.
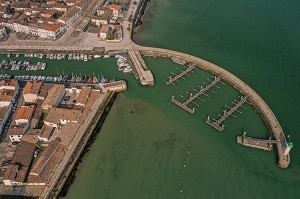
[{"x": 288, "y": 148}]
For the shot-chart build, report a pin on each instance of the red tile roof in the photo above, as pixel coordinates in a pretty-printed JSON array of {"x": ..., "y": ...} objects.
[
  {"x": 25, "y": 112},
  {"x": 32, "y": 88},
  {"x": 52, "y": 27},
  {"x": 114, "y": 6}
]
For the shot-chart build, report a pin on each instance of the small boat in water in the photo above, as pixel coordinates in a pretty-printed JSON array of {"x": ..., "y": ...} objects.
[
  {"x": 78, "y": 79},
  {"x": 90, "y": 80},
  {"x": 95, "y": 80}
]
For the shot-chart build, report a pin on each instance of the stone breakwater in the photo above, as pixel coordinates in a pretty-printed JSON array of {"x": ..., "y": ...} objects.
[{"x": 258, "y": 103}]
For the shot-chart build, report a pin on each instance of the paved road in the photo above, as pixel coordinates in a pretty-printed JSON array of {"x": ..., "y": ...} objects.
[{"x": 85, "y": 41}]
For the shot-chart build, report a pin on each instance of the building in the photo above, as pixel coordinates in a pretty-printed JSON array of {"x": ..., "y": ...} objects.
[
  {"x": 9, "y": 84},
  {"x": 104, "y": 31},
  {"x": 4, "y": 113},
  {"x": 8, "y": 93},
  {"x": 60, "y": 116},
  {"x": 116, "y": 10},
  {"x": 96, "y": 20},
  {"x": 15, "y": 133},
  {"x": 7, "y": 97},
  {"x": 116, "y": 86},
  {"x": 31, "y": 138},
  {"x": 44, "y": 91},
  {"x": 83, "y": 96},
  {"x": 37, "y": 115},
  {"x": 17, "y": 171},
  {"x": 3, "y": 32},
  {"x": 45, "y": 133},
  {"x": 24, "y": 114},
  {"x": 55, "y": 94},
  {"x": 69, "y": 17},
  {"x": 46, "y": 164},
  {"x": 67, "y": 133},
  {"x": 31, "y": 91},
  {"x": 103, "y": 10},
  {"x": 70, "y": 2}
]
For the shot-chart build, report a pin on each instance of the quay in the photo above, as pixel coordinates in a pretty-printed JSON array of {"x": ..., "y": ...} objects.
[
  {"x": 218, "y": 123},
  {"x": 141, "y": 72},
  {"x": 173, "y": 79},
  {"x": 195, "y": 96},
  {"x": 266, "y": 145}
]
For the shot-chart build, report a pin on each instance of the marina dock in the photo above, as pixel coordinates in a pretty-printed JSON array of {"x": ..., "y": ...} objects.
[
  {"x": 218, "y": 123},
  {"x": 195, "y": 96},
  {"x": 266, "y": 145},
  {"x": 177, "y": 77},
  {"x": 141, "y": 72}
]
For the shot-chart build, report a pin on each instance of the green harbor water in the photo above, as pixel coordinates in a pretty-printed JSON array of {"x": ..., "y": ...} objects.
[
  {"x": 142, "y": 154},
  {"x": 143, "y": 145}
]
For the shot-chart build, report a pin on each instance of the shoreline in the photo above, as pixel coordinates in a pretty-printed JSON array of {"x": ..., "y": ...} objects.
[
  {"x": 138, "y": 18},
  {"x": 91, "y": 138}
]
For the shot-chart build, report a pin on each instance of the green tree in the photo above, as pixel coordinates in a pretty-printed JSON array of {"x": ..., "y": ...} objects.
[{"x": 9, "y": 9}]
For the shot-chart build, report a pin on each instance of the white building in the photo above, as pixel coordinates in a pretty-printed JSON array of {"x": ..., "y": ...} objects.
[
  {"x": 3, "y": 32},
  {"x": 24, "y": 114},
  {"x": 69, "y": 17},
  {"x": 15, "y": 133},
  {"x": 8, "y": 93},
  {"x": 31, "y": 91}
]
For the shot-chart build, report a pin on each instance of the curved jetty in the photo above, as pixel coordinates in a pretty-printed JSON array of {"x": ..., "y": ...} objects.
[{"x": 259, "y": 104}]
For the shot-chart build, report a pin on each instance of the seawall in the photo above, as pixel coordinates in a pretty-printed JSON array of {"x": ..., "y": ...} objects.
[{"x": 90, "y": 139}]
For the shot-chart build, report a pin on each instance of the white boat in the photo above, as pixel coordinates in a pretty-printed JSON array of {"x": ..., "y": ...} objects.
[
  {"x": 97, "y": 56},
  {"x": 106, "y": 56},
  {"x": 85, "y": 58},
  {"x": 127, "y": 70},
  {"x": 124, "y": 65}
]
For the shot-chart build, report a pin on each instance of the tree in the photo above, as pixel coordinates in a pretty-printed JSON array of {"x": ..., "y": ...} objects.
[
  {"x": 93, "y": 24},
  {"x": 9, "y": 9},
  {"x": 134, "y": 3}
]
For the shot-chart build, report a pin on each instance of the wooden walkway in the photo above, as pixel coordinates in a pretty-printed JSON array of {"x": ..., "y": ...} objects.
[
  {"x": 266, "y": 145},
  {"x": 177, "y": 77},
  {"x": 184, "y": 105},
  {"x": 218, "y": 123}
]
